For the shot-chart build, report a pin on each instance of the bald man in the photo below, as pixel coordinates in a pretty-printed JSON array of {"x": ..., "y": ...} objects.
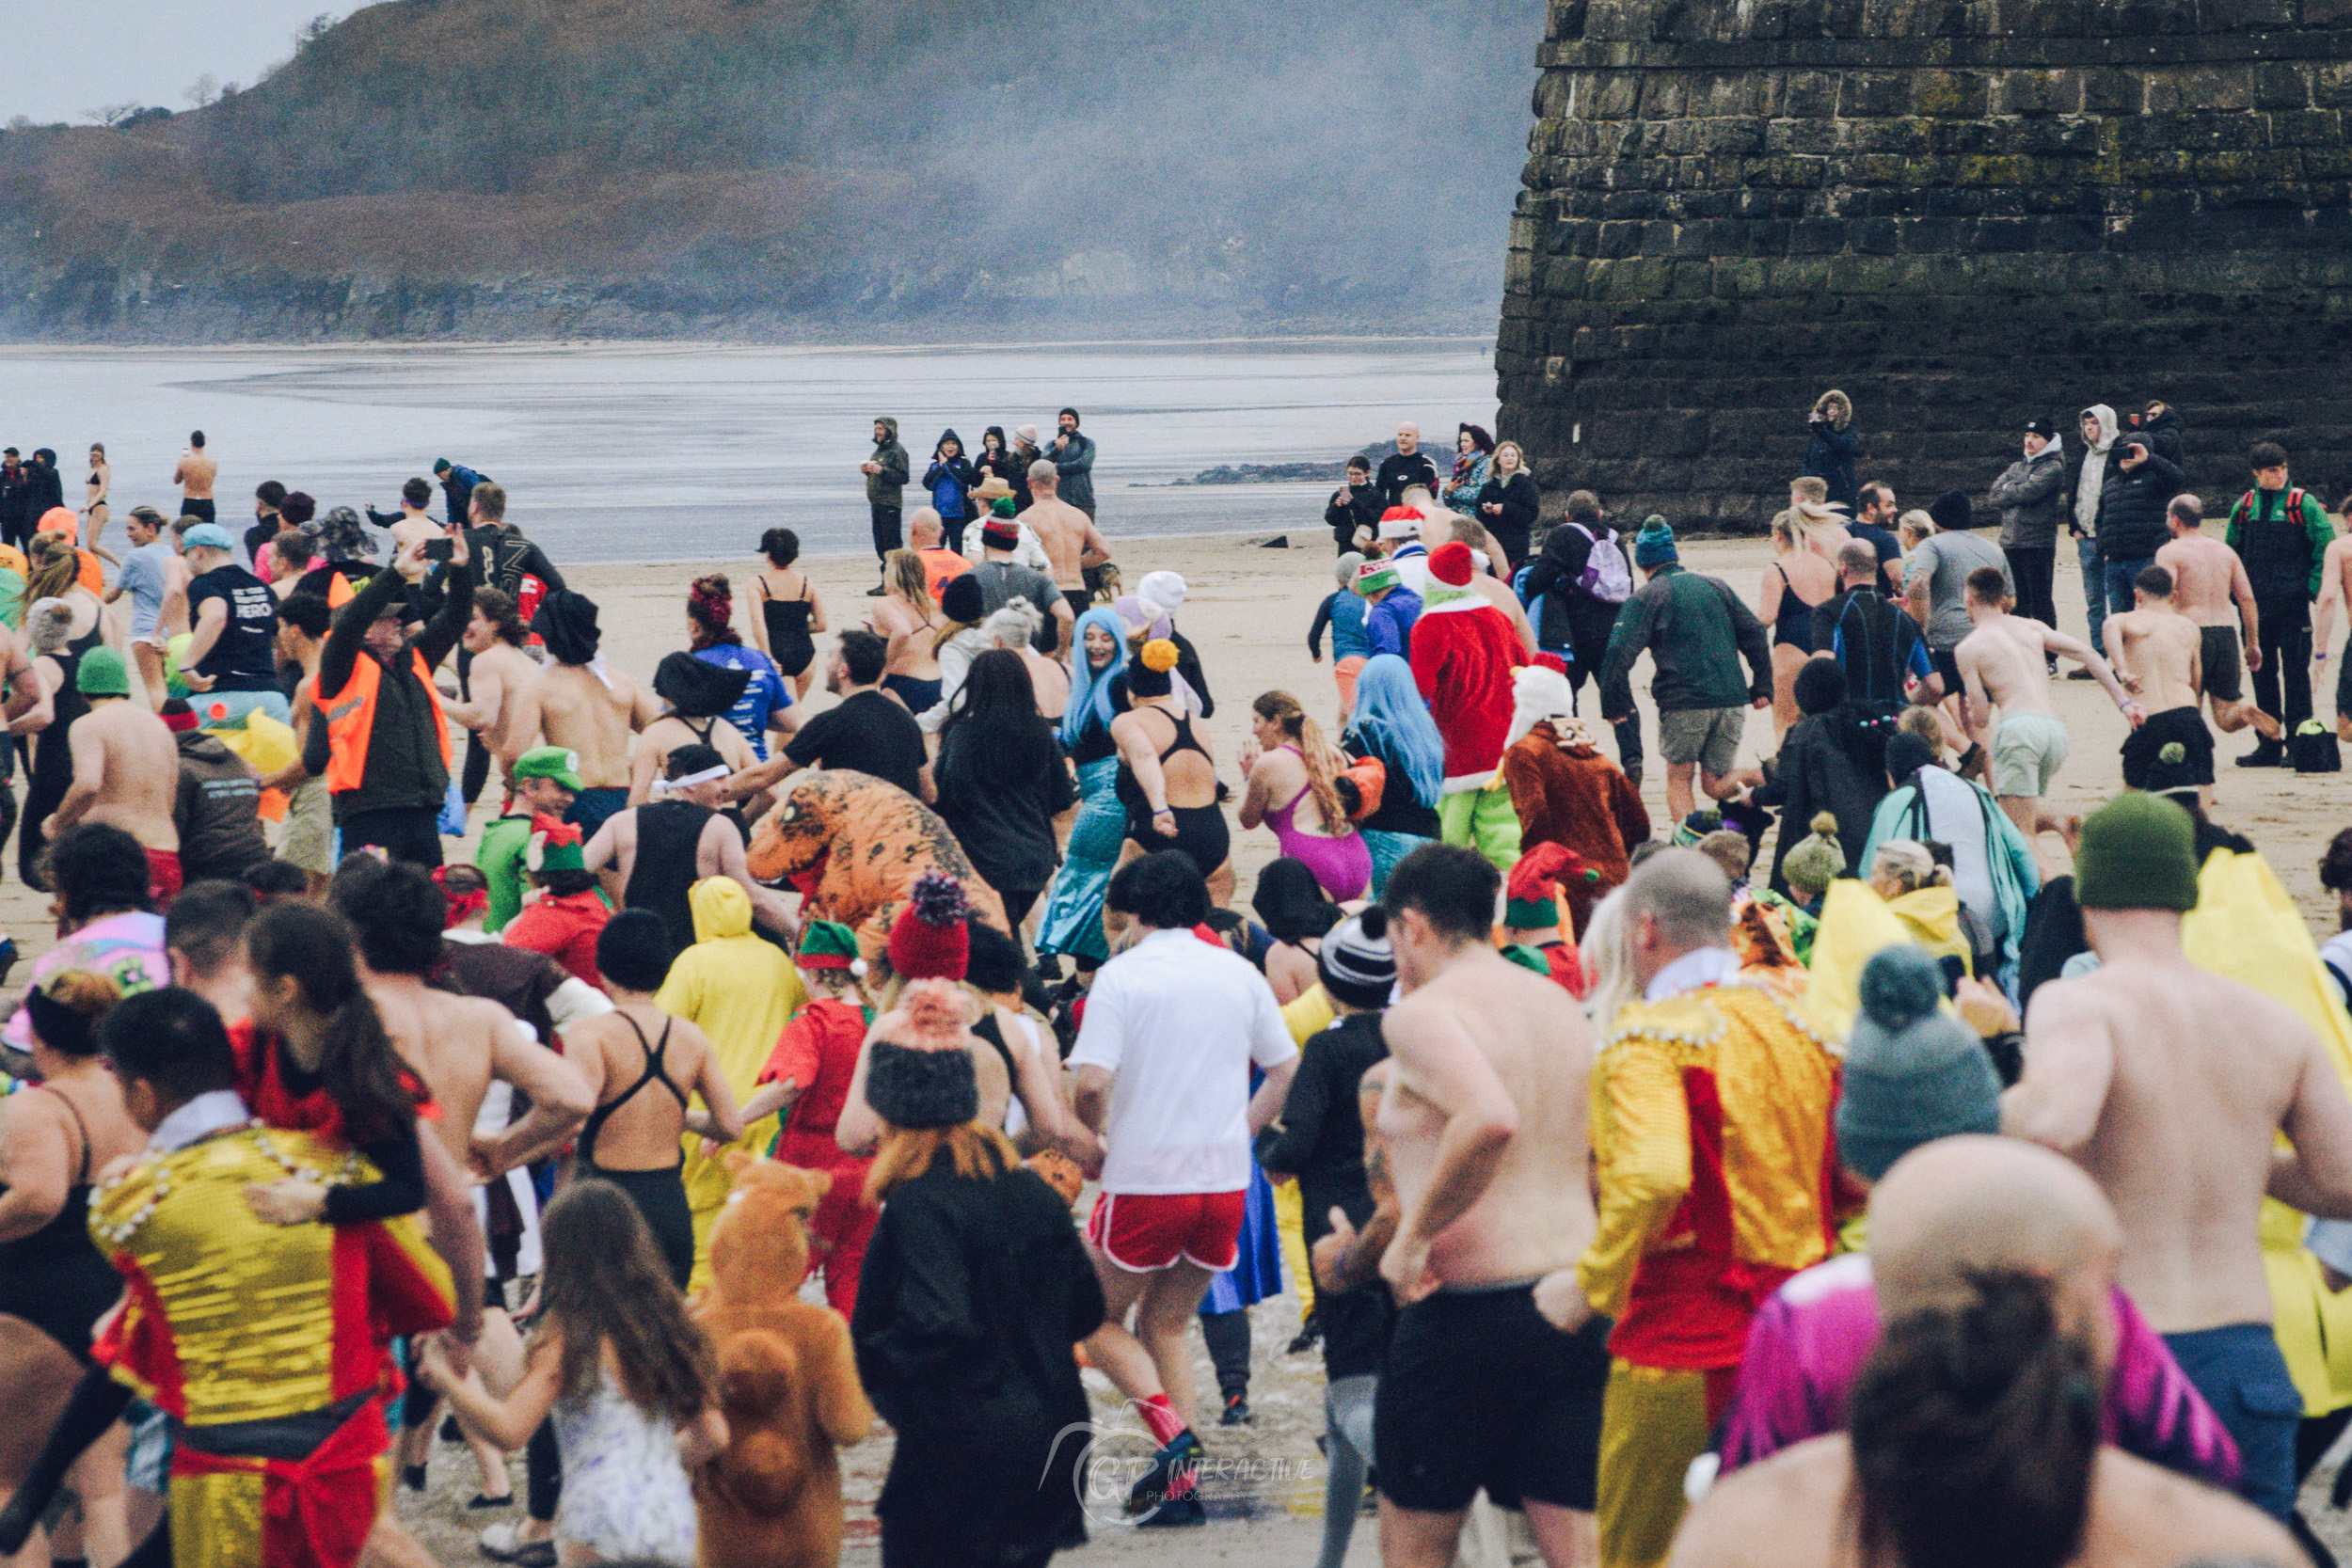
[
  {"x": 2170, "y": 1085},
  {"x": 1946, "y": 1215},
  {"x": 1962, "y": 1204}
]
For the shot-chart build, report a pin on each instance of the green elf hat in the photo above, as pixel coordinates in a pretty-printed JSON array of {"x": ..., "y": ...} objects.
[
  {"x": 554, "y": 846},
  {"x": 830, "y": 945}
]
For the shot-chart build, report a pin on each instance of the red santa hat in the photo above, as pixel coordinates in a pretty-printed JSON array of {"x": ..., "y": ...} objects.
[{"x": 1450, "y": 563}]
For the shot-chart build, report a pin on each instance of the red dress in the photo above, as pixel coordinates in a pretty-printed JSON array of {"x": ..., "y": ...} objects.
[{"x": 819, "y": 1051}]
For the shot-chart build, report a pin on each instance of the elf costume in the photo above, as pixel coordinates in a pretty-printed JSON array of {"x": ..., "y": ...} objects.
[
  {"x": 818, "y": 1052},
  {"x": 1464, "y": 650},
  {"x": 1535, "y": 915}
]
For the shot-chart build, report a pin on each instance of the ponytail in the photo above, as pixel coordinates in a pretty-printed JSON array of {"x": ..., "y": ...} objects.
[
  {"x": 359, "y": 1068},
  {"x": 1974, "y": 1428},
  {"x": 1323, "y": 760}
]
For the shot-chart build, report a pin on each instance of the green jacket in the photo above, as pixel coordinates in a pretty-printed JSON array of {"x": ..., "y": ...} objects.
[
  {"x": 500, "y": 856},
  {"x": 2264, "y": 537},
  {"x": 1696, "y": 630}
]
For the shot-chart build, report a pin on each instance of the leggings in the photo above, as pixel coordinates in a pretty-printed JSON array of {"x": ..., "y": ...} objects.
[
  {"x": 1018, "y": 904},
  {"x": 1347, "y": 1441},
  {"x": 1227, "y": 1334}
]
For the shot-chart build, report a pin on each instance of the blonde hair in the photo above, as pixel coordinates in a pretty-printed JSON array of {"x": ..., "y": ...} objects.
[
  {"x": 1471, "y": 531},
  {"x": 1908, "y": 865},
  {"x": 47, "y": 625},
  {"x": 1494, "y": 461},
  {"x": 1921, "y": 720},
  {"x": 1608, "y": 961},
  {"x": 1811, "y": 487},
  {"x": 980, "y": 1152},
  {"x": 1785, "y": 528},
  {"x": 1324, "y": 761},
  {"x": 904, "y": 571},
  {"x": 57, "y": 568},
  {"x": 1919, "y": 523}
]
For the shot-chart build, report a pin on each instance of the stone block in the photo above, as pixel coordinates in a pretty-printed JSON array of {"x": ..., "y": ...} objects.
[{"x": 1865, "y": 94}]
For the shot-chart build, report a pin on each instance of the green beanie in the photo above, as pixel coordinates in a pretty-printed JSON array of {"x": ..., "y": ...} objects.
[
  {"x": 103, "y": 674},
  {"x": 1815, "y": 861},
  {"x": 2137, "y": 853}
]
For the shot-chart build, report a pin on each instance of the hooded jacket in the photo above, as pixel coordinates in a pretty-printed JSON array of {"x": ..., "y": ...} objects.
[
  {"x": 2169, "y": 434},
  {"x": 884, "y": 488},
  {"x": 2132, "y": 505},
  {"x": 951, "y": 481},
  {"x": 217, "y": 810},
  {"x": 1074, "y": 463},
  {"x": 1829, "y": 454},
  {"x": 2032, "y": 498},
  {"x": 2091, "y": 479}
]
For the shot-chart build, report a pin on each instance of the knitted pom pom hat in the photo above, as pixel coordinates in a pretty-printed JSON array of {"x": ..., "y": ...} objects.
[
  {"x": 1913, "y": 1073},
  {"x": 918, "y": 1073},
  {"x": 928, "y": 941},
  {"x": 1816, "y": 861}
]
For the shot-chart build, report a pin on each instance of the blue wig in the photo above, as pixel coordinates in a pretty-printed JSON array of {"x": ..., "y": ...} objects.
[
  {"x": 1392, "y": 720},
  {"x": 1089, "y": 693}
]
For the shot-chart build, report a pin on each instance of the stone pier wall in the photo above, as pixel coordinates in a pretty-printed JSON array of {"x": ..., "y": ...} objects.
[{"x": 1963, "y": 213}]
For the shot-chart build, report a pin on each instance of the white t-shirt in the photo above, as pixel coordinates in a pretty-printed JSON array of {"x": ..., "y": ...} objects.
[{"x": 1180, "y": 1023}]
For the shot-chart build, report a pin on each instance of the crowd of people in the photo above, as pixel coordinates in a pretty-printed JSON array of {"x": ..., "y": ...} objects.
[{"x": 1689, "y": 1205}]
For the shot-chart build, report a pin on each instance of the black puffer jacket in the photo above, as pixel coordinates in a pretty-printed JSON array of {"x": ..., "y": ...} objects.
[{"x": 2131, "y": 506}]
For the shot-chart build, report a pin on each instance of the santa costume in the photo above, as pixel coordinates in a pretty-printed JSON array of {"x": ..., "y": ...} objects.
[{"x": 1464, "y": 650}]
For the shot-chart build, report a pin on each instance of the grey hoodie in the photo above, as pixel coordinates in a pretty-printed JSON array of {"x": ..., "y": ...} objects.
[{"x": 2092, "y": 477}]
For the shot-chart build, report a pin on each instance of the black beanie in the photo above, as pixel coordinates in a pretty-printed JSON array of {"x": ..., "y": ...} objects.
[{"x": 915, "y": 1088}]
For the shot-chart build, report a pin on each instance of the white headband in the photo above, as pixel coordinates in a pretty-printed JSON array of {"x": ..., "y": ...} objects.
[{"x": 709, "y": 775}]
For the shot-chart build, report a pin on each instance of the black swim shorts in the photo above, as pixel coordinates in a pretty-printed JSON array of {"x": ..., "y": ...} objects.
[
  {"x": 2219, "y": 665},
  {"x": 2171, "y": 750},
  {"x": 1479, "y": 1390}
]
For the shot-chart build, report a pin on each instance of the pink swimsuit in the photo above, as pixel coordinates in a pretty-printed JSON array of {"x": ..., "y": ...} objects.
[{"x": 1342, "y": 865}]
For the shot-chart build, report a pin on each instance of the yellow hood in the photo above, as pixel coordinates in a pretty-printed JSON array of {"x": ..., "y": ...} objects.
[{"x": 722, "y": 908}]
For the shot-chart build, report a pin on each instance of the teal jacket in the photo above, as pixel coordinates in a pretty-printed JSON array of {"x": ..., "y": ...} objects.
[{"x": 2016, "y": 876}]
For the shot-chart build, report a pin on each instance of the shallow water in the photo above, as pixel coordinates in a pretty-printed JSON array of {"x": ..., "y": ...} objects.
[{"x": 686, "y": 452}]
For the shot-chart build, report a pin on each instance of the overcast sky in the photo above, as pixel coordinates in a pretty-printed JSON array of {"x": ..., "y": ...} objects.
[{"x": 67, "y": 56}]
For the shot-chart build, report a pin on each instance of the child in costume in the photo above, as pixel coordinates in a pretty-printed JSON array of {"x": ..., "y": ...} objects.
[
  {"x": 808, "y": 1077},
  {"x": 1535, "y": 924}
]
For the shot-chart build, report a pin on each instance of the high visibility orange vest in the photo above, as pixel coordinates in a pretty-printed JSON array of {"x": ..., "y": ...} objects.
[{"x": 351, "y": 720}]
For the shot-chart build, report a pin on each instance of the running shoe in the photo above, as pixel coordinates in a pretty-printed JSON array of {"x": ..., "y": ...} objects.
[
  {"x": 500, "y": 1544},
  {"x": 1175, "y": 1513},
  {"x": 1236, "y": 1412},
  {"x": 1180, "y": 1453}
]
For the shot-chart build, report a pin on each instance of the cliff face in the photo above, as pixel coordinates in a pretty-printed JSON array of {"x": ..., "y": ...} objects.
[
  {"x": 1963, "y": 213},
  {"x": 796, "y": 167}
]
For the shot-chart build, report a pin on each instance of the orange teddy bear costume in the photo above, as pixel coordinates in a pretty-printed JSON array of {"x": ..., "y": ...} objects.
[
  {"x": 853, "y": 846},
  {"x": 788, "y": 1382}
]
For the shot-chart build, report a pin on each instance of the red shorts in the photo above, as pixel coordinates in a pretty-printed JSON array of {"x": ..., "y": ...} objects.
[
  {"x": 163, "y": 876},
  {"x": 1144, "y": 1232}
]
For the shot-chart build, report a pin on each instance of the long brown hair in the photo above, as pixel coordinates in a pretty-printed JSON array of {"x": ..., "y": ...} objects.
[
  {"x": 55, "y": 567},
  {"x": 980, "y": 1152},
  {"x": 605, "y": 1283},
  {"x": 1280, "y": 707},
  {"x": 1974, "y": 1428}
]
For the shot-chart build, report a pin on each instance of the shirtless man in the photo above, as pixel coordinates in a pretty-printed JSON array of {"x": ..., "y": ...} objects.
[
  {"x": 2210, "y": 588},
  {"x": 1962, "y": 1207},
  {"x": 2158, "y": 655},
  {"x": 2335, "y": 587},
  {"x": 2003, "y": 663},
  {"x": 410, "y": 523},
  {"x": 718, "y": 847},
  {"x": 1070, "y": 538},
  {"x": 494, "y": 641},
  {"x": 2169, "y": 1085},
  {"x": 195, "y": 475},
  {"x": 126, "y": 768},
  {"x": 1485, "y": 1121},
  {"x": 577, "y": 702}
]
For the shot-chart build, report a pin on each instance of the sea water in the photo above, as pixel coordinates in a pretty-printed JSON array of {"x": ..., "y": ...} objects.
[{"x": 666, "y": 452}]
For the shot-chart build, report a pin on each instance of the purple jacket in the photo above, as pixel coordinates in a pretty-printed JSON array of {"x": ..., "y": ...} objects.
[{"x": 1808, "y": 1342}]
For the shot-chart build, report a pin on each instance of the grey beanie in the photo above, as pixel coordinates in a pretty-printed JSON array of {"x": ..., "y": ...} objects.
[{"x": 1913, "y": 1073}]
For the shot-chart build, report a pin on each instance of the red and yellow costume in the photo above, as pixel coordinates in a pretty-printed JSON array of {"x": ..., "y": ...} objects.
[
  {"x": 1711, "y": 1132},
  {"x": 265, "y": 1345}
]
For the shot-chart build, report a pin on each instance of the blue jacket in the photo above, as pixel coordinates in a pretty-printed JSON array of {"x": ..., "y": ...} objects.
[
  {"x": 950, "y": 484},
  {"x": 1389, "y": 624},
  {"x": 1829, "y": 457}
]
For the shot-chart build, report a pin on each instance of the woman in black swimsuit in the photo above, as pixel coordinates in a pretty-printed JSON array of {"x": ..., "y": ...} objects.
[
  {"x": 1798, "y": 581},
  {"x": 1149, "y": 736},
  {"x": 647, "y": 1077},
  {"x": 54, "y": 654},
  {"x": 789, "y": 611},
  {"x": 51, "y": 1274}
]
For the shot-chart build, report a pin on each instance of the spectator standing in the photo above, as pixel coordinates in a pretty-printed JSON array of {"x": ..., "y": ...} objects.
[
  {"x": 2283, "y": 533},
  {"x": 1354, "y": 508},
  {"x": 1829, "y": 446},
  {"x": 1506, "y": 506},
  {"x": 218, "y": 808},
  {"x": 950, "y": 482},
  {"x": 994, "y": 460},
  {"x": 16, "y": 522},
  {"x": 1585, "y": 578},
  {"x": 1027, "y": 452},
  {"x": 1695, "y": 631},
  {"x": 2099, "y": 428},
  {"x": 2032, "y": 495},
  {"x": 458, "y": 483},
  {"x": 44, "y": 486},
  {"x": 2140, "y": 485},
  {"x": 885, "y": 474},
  {"x": 1072, "y": 456},
  {"x": 1473, "y": 460},
  {"x": 2162, "y": 423},
  {"x": 1404, "y": 468}
]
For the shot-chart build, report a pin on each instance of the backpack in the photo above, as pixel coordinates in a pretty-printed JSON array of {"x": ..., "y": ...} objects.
[
  {"x": 1608, "y": 576},
  {"x": 2312, "y": 749}
]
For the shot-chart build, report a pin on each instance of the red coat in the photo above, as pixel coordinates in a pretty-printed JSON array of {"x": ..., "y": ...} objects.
[{"x": 1464, "y": 651}]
